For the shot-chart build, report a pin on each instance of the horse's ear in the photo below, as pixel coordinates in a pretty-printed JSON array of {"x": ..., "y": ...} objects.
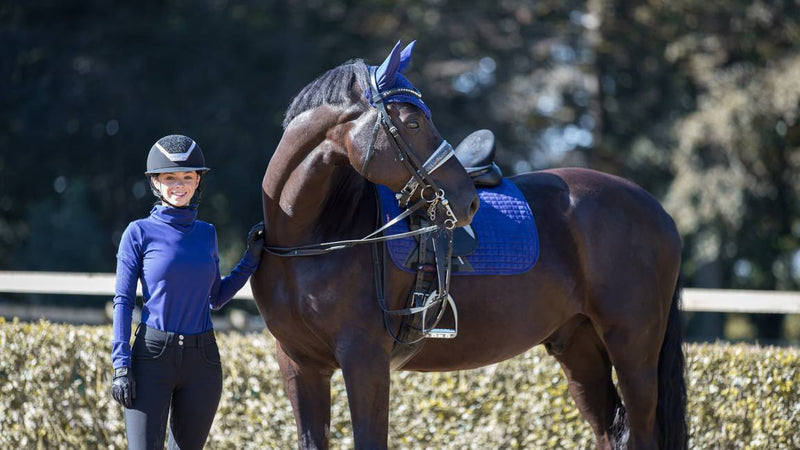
[
  {"x": 387, "y": 72},
  {"x": 405, "y": 57}
]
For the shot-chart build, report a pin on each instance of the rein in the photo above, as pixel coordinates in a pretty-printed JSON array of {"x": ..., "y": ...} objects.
[{"x": 327, "y": 247}]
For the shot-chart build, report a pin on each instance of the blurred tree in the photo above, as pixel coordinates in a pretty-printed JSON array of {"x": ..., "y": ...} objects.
[
  {"x": 640, "y": 90},
  {"x": 91, "y": 85},
  {"x": 734, "y": 196}
]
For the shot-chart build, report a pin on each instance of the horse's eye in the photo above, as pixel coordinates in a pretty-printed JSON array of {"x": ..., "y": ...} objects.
[{"x": 412, "y": 124}]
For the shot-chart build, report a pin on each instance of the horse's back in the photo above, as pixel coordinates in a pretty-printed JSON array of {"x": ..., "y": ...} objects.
[{"x": 594, "y": 202}]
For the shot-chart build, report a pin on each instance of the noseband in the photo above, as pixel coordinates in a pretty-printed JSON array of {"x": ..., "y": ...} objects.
[{"x": 420, "y": 173}]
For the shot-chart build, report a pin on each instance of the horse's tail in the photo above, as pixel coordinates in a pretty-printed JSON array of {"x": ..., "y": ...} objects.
[{"x": 671, "y": 411}]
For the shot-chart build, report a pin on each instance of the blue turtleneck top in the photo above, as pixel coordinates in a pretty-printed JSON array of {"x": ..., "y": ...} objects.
[{"x": 175, "y": 258}]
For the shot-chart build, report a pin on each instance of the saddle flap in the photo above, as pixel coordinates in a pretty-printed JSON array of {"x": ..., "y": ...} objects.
[
  {"x": 487, "y": 176},
  {"x": 464, "y": 241}
]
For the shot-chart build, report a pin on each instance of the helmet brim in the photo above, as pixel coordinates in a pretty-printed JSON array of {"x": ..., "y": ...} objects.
[{"x": 176, "y": 170}]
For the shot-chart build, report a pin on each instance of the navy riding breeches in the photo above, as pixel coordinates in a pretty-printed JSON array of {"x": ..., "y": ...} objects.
[{"x": 177, "y": 376}]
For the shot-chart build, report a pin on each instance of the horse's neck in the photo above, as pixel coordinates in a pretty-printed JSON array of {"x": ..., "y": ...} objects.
[
  {"x": 319, "y": 203},
  {"x": 311, "y": 193}
]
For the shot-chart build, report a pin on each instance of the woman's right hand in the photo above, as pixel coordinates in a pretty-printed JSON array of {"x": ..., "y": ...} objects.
[
  {"x": 255, "y": 238},
  {"x": 123, "y": 387}
]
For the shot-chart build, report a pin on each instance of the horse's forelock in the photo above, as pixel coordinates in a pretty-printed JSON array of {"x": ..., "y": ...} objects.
[{"x": 331, "y": 88}]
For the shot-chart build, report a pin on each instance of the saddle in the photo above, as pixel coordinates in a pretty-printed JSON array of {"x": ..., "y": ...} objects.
[{"x": 476, "y": 154}]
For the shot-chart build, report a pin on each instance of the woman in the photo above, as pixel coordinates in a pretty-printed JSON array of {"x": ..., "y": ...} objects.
[{"x": 174, "y": 365}]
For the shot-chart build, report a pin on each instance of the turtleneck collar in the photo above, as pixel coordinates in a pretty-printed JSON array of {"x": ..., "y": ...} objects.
[{"x": 183, "y": 217}]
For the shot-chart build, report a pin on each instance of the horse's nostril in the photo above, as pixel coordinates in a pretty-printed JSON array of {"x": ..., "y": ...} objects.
[{"x": 473, "y": 207}]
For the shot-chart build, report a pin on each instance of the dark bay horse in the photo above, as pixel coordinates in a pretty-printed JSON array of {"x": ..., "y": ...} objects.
[{"x": 604, "y": 293}]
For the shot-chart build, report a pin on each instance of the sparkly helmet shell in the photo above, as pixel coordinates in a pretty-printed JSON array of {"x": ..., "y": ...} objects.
[{"x": 175, "y": 153}]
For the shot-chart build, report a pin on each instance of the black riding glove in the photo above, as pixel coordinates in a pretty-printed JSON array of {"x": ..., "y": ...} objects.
[
  {"x": 255, "y": 239},
  {"x": 123, "y": 388}
]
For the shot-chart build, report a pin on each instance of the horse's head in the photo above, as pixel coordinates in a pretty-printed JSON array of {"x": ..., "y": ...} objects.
[
  {"x": 373, "y": 119},
  {"x": 395, "y": 143}
]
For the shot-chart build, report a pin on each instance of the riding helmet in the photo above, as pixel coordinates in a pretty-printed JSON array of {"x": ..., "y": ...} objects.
[{"x": 175, "y": 153}]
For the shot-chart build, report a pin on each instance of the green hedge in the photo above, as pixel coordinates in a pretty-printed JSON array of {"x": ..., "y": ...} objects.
[{"x": 54, "y": 393}]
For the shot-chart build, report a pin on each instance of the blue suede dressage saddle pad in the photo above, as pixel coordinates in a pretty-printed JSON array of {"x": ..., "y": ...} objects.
[{"x": 508, "y": 241}]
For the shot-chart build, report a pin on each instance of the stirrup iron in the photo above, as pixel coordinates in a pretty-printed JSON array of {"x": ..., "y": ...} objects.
[{"x": 444, "y": 333}]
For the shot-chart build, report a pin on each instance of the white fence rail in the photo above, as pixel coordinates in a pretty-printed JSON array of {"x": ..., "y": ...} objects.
[
  {"x": 713, "y": 300},
  {"x": 69, "y": 283}
]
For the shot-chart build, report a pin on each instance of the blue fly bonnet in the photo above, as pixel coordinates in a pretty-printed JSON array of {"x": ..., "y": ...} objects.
[{"x": 389, "y": 77}]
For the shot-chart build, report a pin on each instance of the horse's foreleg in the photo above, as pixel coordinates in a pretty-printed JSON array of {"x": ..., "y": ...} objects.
[
  {"x": 588, "y": 370},
  {"x": 365, "y": 369},
  {"x": 309, "y": 390}
]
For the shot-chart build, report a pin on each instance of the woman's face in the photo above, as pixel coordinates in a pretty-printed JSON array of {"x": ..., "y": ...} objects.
[{"x": 177, "y": 188}]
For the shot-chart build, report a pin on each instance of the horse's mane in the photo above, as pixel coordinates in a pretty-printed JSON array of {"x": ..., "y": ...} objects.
[{"x": 331, "y": 88}]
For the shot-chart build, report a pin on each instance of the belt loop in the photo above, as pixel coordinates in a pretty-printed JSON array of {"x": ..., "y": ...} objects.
[{"x": 138, "y": 327}]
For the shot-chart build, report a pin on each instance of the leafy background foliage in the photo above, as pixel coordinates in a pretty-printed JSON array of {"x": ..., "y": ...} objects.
[{"x": 54, "y": 393}]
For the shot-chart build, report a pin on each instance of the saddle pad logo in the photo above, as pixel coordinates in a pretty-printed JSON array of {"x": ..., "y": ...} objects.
[{"x": 508, "y": 242}]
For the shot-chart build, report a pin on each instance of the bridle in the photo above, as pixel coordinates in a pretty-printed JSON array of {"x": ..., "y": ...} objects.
[
  {"x": 420, "y": 173},
  {"x": 430, "y": 196}
]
